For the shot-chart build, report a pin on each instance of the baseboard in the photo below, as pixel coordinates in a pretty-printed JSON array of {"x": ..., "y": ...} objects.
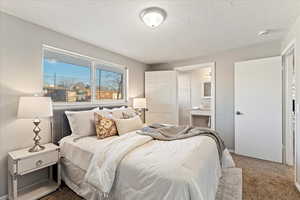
[
  {"x": 5, "y": 197},
  {"x": 297, "y": 186}
]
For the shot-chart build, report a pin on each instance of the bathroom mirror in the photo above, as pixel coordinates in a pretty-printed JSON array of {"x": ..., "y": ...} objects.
[{"x": 206, "y": 89}]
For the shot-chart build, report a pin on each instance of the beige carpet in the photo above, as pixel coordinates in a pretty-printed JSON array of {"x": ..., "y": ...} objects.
[{"x": 262, "y": 180}]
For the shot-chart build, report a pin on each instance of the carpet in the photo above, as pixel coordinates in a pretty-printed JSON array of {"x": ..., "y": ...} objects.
[{"x": 265, "y": 180}]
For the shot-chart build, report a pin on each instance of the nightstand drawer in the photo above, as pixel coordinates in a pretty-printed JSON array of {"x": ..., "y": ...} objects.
[{"x": 38, "y": 161}]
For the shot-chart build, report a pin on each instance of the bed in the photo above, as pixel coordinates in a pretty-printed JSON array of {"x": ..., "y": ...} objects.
[{"x": 170, "y": 170}]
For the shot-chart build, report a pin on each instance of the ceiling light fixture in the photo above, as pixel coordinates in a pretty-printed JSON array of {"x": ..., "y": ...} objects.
[{"x": 153, "y": 16}]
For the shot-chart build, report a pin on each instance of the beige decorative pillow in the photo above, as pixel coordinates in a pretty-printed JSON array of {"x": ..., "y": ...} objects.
[
  {"x": 105, "y": 127},
  {"x": 128, "y": 125}
]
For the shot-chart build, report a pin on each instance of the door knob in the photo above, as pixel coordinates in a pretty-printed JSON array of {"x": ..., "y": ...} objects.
[{"x": 239, "y": 113}]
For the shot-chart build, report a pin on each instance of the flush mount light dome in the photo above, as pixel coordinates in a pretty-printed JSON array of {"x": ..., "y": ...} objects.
[{"x": 153, "y": 16}]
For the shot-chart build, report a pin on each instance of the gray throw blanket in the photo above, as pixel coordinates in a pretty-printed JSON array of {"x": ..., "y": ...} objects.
[{"x": 169, "y": 132}]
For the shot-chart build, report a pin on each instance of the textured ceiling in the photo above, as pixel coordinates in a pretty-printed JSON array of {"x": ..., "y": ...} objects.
[{"x": 193, "y": 27}]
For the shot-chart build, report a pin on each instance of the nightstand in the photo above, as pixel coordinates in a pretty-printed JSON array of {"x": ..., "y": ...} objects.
[{"x": 22, "y": 162}]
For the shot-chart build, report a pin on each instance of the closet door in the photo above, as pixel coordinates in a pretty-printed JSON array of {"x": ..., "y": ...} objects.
[
  {"x": 258, "y": 108},
  {"x": 161, "y": 95}
]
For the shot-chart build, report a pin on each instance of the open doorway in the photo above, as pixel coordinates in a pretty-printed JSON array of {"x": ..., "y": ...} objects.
[
  {"x": 196, "y": 95},
  {"x": 289, "y": 99}
]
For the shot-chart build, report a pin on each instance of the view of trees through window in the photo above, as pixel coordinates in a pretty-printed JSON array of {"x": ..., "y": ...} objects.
[
  {"x": 68, "y": 79},
  {"x": 109, "y": 85}
]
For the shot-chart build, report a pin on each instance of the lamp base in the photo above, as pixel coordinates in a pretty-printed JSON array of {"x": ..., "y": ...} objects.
[{"x": 36, "y": 148}]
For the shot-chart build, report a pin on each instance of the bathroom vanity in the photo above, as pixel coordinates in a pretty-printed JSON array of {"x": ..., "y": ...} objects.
[{"x": 200, "y": 118}]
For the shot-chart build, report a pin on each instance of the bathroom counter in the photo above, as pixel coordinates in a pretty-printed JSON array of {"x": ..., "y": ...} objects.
[{"x": 200, "y": 113}]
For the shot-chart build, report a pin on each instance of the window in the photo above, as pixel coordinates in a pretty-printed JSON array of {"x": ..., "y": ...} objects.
[{"x": 72, "y": 78}]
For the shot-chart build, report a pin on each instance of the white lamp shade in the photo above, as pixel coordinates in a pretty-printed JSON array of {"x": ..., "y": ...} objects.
[
  {"x": 35, "y": 107},
  {"x": 139, "y": 103}
]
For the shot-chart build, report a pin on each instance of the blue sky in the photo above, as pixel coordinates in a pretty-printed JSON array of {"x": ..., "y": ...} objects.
[
  {"x": 79, "y": 73},
  {"x": 65, "y": 70}
]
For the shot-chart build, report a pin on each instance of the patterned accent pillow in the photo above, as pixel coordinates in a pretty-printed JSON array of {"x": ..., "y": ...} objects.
[
  {"x": 128, "y": 115},
  {"x": 105, "y": 127}
]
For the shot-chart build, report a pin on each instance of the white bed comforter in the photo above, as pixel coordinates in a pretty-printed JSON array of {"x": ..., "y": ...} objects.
[{"x": 134, "y": 167}]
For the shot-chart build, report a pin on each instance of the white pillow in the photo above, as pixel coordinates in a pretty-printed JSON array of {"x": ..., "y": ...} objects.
[
  {"x": 118, "y": 113},
  {"x": 111, "y": 109},
  {"x": 128, "y": 125},
  {"x": 82, "y": 123},
  {"x": 105, "y": 113}
]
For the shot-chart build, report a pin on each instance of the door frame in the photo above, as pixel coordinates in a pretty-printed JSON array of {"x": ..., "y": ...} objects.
[
  {"x": 286, "y": 119},
  {"x": 212, "y": 65},
  {"x": 292, "y": 45}
]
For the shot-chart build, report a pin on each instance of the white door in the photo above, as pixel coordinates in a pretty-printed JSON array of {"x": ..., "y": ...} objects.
[
  {"x": 258, "y": 108},
  {"x": 161, "y": 95}
]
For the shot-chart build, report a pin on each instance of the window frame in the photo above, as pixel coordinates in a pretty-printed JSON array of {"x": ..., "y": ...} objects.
[{"x": 93, "y": 67}]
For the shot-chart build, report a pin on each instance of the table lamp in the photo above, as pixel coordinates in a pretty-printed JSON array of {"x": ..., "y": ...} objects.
[
  {"x": 140, "y": 104},
  {"x": 35, "y": 108}
]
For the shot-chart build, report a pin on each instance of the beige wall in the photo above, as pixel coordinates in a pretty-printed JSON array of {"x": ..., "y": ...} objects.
[
  {"x": 294, "y": 35},
  {"x": 225, "y": 80},
  {"x": 21, "y": 74}
]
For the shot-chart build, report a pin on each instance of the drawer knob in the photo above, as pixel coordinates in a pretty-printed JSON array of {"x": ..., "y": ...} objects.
[{"x": 39, "y": 163}]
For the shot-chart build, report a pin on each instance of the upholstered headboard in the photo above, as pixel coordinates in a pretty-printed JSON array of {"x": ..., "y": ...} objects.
[{"x": 61, "y": 127}]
